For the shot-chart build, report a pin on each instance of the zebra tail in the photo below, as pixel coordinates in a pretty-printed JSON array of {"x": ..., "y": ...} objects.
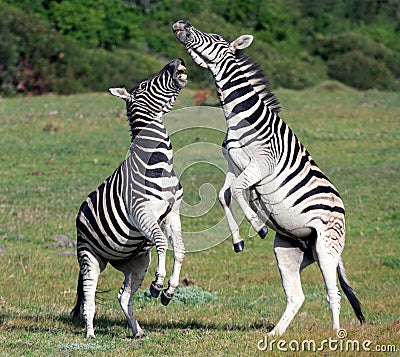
[
  {"x": 354, "y": 302},
  {"x": 76, "y": 311}
]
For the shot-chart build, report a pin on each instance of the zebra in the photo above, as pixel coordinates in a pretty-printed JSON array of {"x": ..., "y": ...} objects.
[
  {"x": 137, "y": 207},
  {"x": 288, "y": 192}
]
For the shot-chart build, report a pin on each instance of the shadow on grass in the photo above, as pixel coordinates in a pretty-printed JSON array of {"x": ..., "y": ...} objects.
[
  {"x": 112, "y": 326},
  {"x": 104, "y": 324}
]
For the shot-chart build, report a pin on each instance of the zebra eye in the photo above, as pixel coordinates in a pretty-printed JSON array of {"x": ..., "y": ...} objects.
[{"x": 142, "y": 86}]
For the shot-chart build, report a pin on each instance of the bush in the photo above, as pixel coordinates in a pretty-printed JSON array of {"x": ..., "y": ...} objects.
[
  {"x": 118, "y": 68},
  {"x": 296, "y": 73},
  {"x": 97, "y": 23},
  {"x": 358, "y": 61},
  {"x": 52, "y": 45},
  {"x": 31, "y": 53},
  {"x": 356, "y": 69},
  {"x": 35, "y": 59}
]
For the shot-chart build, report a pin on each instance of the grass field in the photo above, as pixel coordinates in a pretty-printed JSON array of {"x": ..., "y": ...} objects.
[{"x": 55, "y": 150}]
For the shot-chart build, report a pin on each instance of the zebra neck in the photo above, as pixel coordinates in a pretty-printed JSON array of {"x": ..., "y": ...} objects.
[
  {"x": 237, "y": 95},
  {"x": 140, "y": 122}
]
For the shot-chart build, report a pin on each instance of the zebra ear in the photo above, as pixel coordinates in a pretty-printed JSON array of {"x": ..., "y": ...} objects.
[
  {"x": 242, "y": 42},
  {"x": 120, "y": 92}
]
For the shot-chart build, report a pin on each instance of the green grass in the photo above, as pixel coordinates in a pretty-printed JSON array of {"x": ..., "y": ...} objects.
[{"x": 55, "y": 150}]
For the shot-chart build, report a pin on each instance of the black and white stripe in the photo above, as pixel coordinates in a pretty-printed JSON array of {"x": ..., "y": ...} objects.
[
  {"x": 137, "y": 207},
  {"x": 287, "y": 190}
]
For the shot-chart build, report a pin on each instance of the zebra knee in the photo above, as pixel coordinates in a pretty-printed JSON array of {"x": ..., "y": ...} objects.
[
  {"x": 296, "y": 301},
  {"x": 123, "y": 298},
  {"x": 235, "y": 192},
  {"x": 225, "y": 196}
]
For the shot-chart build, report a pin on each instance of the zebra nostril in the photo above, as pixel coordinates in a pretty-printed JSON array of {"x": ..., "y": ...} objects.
[{"x": 178, "y": 26}]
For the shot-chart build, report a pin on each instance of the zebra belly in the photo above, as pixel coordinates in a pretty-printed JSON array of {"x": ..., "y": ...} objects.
[
  {"x": 108, "y": 233},
  {"x": 278, "y": 212},
  {"x": 298, "y": 210}
]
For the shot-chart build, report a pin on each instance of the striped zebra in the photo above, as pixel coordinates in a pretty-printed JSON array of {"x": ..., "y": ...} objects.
[
  {"x": 137, "y": 207},
  {"x": 287, "y": 190}
]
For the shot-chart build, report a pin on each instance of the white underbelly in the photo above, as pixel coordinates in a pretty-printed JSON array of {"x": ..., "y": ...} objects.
[{"x": 281, "y": 214}]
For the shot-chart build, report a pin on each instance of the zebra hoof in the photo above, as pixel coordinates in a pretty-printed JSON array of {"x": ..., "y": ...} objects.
[
  {"x": 165, "y": 298},
  {"x": 263, "y": 232},
  {"x": 239, "y": 246},
  {"x": 140, "y": 335},
  {"x": 155, "y": 290}
]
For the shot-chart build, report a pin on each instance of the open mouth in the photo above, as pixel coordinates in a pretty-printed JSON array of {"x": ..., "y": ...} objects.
[
  {"x": 177, "y": 32},
  {"x": 178, "y": 28},
  {"x": 180, "y": 73}
]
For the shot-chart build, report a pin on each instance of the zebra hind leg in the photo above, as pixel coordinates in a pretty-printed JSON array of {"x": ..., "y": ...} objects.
[
  {"x": 291, "y": 260},
  {"x": 90, "y": 269},
  {"x": 328, "y": 260},
  {"x": 134, "y": 270}
]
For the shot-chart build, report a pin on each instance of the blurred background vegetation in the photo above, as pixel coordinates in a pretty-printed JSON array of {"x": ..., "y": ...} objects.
[{"x": 70, "y": 46}]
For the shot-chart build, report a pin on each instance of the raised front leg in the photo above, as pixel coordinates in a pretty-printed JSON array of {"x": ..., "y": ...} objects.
[
  {"x": 146, "y": 221},
  {"x": 161, "y": 247},
  {"x": 174, "y": 233},
  {"x": 225, "y": 198},
  {"x": 249, "y": 177},
  {"x": 90, "y": 268}
]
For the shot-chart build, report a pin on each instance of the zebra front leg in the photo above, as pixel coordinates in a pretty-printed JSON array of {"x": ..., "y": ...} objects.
[
  {"x": 225, "y": 198},
  {"x": 134, "y": 271},
  {"x": 157, "y": 285},
  {"x": 249, "y": 177},
  {"x": 161, "y": 245},
  {"x": 90, "y": 268},
  {"x": 174, "y": 234},
  {"x": 145, "y": 220}
]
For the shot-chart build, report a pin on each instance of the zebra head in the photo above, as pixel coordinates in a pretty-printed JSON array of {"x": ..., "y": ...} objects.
[
  {"x": 206, "y": 49},
  {"x": 156, "y": 95}
]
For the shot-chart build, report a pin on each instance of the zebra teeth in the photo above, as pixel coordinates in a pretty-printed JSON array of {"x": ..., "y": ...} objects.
[
  {"x": 180, "y": 72},
  {"x": 177, "y": 32},
  {"x": 181, "y": 69}
]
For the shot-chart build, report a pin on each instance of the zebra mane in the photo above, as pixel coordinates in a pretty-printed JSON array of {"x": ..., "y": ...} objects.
[{"x": 257, "y": 79}]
